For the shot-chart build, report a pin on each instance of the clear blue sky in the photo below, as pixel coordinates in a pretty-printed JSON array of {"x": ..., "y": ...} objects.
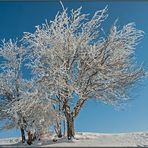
[{"x": 19, "y": 17}]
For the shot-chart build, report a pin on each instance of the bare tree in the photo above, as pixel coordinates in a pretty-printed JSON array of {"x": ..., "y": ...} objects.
[{"x": 76, "y": 64}]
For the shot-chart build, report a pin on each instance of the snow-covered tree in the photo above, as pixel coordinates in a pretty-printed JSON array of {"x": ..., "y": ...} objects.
[
  {"x": 23, "y": 103},
  {"x": 12, "y": 58},
  {"x": 77, "y": 63},
  {"x": 37, "y": 112}
]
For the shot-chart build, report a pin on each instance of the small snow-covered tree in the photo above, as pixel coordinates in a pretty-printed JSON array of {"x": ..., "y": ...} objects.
[
  {"x": 23, "y": 103},
  {"x": 77, "y": 63},
  {"x": 12, "y": 58},
  {"x": 36, "y": 109}
]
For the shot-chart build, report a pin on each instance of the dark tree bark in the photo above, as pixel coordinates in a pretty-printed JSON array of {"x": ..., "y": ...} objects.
[
  {"x": 58, "y": 129},
  {"x": 64, "y": 132},
  {"x": 30, "y": 138},
  {"x": 59, "y": 123},
  {"x": 23, "y": 135},
  {"x": 70, "y": 116},
  {"x": 70, "y": 127}
]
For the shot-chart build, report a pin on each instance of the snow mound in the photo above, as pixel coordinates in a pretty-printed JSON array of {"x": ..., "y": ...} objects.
[{"x": 87, "y": 139}]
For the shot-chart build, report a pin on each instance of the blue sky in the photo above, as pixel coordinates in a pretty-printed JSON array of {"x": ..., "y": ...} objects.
[{"x": 19, "y": 17}]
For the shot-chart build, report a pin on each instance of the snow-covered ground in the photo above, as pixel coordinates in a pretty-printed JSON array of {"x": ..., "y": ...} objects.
[{"x": 87, "y": 139}]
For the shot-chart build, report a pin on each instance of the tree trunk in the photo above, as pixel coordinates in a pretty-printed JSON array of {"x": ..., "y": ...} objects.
[
  {"x": 59, "y": 132},
  {"x": 58, "y": 129},
  {"x": 59, "y": 123},
  {"x": 70, "y": 127},
  {"x": 64, "y": 133},
  {"x": 23, "y": 135},
  {"x": 30, "y": 138}
]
